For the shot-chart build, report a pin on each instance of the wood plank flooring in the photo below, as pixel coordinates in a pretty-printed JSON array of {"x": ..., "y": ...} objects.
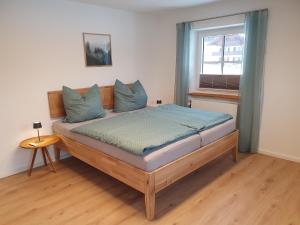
[{"x": 259, "y": 190}]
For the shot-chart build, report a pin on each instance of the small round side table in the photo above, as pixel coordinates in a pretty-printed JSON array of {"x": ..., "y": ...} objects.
[{"x": 34, "y": 144}]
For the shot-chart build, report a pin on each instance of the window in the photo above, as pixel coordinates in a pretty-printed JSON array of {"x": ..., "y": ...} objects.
[{"x": 221, "y": 59}]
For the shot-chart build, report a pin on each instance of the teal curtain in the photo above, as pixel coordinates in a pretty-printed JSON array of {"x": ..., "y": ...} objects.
[
  {"x": 251, "y": 83},
  {"x": 182, "y": 63}
]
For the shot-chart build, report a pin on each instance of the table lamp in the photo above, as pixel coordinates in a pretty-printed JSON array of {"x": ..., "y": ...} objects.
[{"x": 37, "y": 125}]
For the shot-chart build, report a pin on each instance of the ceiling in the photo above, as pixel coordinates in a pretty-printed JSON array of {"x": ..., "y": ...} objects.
[{"x": 147, "y": 5}]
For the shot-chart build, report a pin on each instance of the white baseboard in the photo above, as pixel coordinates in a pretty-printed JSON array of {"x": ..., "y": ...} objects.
[
  {"x": 280, "y": 155},
  {"x": 66, "y": 155},
  {"x": 37, "y": 163}
]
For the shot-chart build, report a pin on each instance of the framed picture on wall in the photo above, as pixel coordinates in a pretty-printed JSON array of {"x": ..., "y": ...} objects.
[{"x": 97, "y": 49}]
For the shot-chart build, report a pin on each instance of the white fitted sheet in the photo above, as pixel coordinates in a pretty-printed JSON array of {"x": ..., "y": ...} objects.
[{"x": 153, "y": 160}]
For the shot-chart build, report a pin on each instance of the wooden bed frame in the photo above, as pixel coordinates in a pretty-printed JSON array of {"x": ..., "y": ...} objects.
[{"x": 149, "y": 183}]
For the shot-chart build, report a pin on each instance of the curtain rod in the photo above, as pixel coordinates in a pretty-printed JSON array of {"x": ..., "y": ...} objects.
[{"x": 217, "y": 17}]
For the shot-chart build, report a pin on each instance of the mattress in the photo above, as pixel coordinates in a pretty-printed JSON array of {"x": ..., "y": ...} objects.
[
  {"x": 152, "y": 160},
  {"x": 210, "y": 135}
]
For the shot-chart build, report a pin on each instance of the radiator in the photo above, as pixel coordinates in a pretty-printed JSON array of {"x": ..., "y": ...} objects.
[{"x": 215, "y": 105}]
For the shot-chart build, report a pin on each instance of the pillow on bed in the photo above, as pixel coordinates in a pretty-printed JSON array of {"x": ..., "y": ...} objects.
[
  {"x": 81, "y": 108},
  {"x": 128, "y": 99}
]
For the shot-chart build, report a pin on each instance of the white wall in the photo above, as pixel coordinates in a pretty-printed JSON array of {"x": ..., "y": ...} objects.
[
  {"x": 42, "y": 49},
  {"x": 280, "y": 120}
]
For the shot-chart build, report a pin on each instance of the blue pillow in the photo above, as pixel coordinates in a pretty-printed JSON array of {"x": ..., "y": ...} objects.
[
  {"x": 81, "y": 108},
  {"x": 128, "y": 99}
]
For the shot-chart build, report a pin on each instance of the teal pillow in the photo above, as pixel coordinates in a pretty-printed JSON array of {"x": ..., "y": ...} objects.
[
  {"x": 81, "y": 108},
  {"x": 128, "y": 99}
]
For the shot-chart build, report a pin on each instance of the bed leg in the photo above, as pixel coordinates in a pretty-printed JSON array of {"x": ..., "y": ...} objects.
[
  {"x": 57, "y": 153},
  {"x": 150, "y": 197},
  {"x": 234, "y": 152}
]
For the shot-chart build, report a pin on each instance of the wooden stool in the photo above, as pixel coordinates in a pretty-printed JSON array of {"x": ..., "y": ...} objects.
[{"x": 34, "y": 144}]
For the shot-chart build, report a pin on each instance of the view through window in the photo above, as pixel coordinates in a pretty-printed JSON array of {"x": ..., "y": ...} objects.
[{"x": 222, "y": 61}]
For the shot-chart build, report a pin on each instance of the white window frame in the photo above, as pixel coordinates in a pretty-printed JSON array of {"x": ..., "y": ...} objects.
[{"x": 199, "y": 47}]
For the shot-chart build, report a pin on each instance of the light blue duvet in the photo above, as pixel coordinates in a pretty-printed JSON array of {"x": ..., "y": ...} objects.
[{"x": 148, "y": 129}]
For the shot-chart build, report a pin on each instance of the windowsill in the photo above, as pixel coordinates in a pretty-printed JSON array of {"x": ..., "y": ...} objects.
[{"x": 230, "y": 95}]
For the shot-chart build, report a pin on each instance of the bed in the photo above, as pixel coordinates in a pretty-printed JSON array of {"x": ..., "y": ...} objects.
[{"x": 153, "y": 172}]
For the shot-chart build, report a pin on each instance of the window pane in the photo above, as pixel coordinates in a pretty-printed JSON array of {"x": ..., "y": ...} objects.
[
  {"x": 232, "y": 68},
  {"x": 233, "y": 54},
  {"x": 212, "y": 54},
  {"x": 211, "y": 68}
]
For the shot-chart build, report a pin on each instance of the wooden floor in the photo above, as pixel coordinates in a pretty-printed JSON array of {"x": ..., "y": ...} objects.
[{"x": 258, "y": 190}]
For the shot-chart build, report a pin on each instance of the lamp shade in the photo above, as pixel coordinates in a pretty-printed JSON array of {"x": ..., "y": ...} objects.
[{"x": 37, "y": 125}]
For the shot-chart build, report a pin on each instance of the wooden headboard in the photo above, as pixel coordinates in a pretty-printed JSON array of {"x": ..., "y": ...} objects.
[{"x": 56, "y": 104}]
